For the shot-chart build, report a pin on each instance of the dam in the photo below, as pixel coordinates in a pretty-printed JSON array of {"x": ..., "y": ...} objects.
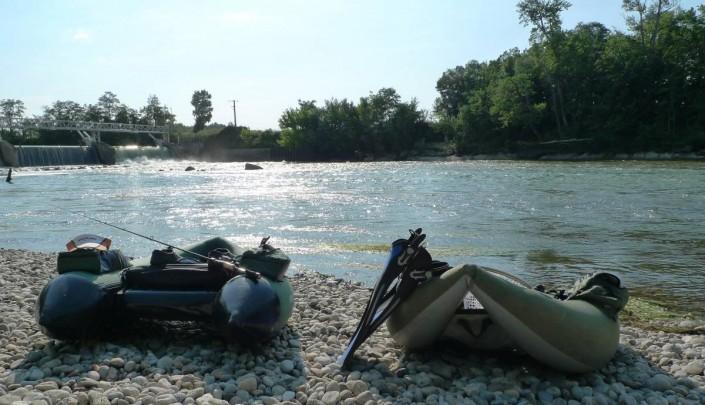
[{"x": 92, "y": 151}]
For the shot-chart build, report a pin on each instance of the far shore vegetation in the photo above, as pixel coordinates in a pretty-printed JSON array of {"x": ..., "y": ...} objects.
[{"x": 590, "y": 89}]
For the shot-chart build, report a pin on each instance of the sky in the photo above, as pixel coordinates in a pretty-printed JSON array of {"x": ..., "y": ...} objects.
[{"x": 264, "y": 54}]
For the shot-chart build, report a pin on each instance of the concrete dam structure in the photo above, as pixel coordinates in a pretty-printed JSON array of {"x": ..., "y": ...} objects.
[{"x": 93, "y": 151}]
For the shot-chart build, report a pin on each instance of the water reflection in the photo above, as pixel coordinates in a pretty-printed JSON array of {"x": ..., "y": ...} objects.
[{"x": 545, "y": 222}]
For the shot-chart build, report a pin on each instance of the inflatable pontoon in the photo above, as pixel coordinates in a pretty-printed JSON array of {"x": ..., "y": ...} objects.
[
  {"x": 423, "y": 301},
  {"x": 244, "y": 294}
]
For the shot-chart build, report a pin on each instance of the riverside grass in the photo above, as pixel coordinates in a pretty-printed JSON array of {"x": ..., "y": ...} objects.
[{"x": 164, "y": 363}]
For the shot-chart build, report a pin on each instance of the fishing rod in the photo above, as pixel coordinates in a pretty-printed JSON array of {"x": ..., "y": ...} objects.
[{"x": 231, "y": 266}]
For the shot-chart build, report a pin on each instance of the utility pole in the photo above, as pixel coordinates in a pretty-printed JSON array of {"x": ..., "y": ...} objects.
[{"x": 234, "y": 113}]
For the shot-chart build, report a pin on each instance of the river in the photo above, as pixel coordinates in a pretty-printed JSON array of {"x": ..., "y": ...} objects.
[{"x": 544, "y": 222}]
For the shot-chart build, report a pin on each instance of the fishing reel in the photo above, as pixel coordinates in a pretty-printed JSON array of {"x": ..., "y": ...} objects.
[{"x": 221, "y": 259}]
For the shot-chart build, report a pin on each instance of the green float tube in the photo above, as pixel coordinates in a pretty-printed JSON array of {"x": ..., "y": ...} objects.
[{"x": 98, "y": 287}]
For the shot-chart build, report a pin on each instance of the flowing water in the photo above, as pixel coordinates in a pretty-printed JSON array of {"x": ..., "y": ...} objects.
[
  {"x": 31, "y": 155},
  {"x": 544, "y": 222}
]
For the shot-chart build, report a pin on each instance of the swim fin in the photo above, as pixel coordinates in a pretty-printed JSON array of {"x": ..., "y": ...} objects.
[{"x": 409, "y": 264}]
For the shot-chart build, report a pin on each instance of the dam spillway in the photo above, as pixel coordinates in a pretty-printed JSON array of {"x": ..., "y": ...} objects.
[{"x": 51, "y": 155}]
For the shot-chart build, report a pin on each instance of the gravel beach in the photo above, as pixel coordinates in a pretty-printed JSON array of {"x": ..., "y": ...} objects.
[{"x": 165, "y": 363}]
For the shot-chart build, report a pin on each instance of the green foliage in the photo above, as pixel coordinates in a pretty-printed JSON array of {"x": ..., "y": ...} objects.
[
  {"x": 252, "y": 138},
  {"x": 107, "y": 109},
  {"x": 65, "y": 110},
  {"x": 11, "y": 109},
  {"x": 202, "y": 109},
  {"x": 154, "y": 113},
  {"x": 109, "y": 106},
  {"x": 379, "y": 125},
  {"x": 543, "y": 16},
  {"x": 630, "y": 92},
  {"x": 127, "y": 115},
  {"x": 183, "y": 134}
]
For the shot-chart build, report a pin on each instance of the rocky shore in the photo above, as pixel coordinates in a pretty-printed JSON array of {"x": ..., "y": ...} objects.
[{"x": 168, "y": 363}]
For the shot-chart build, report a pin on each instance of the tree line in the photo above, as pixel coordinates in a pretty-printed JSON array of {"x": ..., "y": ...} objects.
[
  {"x": 587, "y": 89},
  {"x": 643, "y": 90},
  {"x": 602, "y": 89},
  {"x": 107, "y": 109},
  {"x": 380, "y": 124}
]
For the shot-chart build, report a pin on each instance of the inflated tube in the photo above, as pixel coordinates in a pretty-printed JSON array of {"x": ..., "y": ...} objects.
[
  {"x": 247, "y": 310},
  {"x": 69, "y": 307}
]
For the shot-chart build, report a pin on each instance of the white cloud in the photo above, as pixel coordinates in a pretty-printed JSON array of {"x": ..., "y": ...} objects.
[{"x": 81, "y": 36}]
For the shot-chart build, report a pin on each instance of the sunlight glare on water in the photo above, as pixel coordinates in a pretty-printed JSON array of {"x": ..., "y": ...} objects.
[{"x": 544, "y": 222}]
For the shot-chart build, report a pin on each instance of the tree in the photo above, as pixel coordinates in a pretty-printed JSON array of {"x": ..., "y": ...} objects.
[
  {"x": 154, "y": 113},
  {"x": 93, "y": 113},
  {"x": 585, "y": 84},
  {"x": 65, "y": 110},
  {"x": 456, "y": 85},
  {"x": 339, "y": 129},
  {"x": 513, "y": 105},
  {"x": 375, "y": 112},
  {"x": 544, "y": 18},
  {"x": 127, "y": 115},
  {"x": 11, "y": 109},
  {"x": 636, "y": 22},
  {"x": 646, "y": 18},
  {"x": 407, "y": 126},
  {"x": 253, "y": 138},
  {"x": 109, "y": 105},
  {"x": 202, "y": 109},
  {"x": 300, "y": 126}
]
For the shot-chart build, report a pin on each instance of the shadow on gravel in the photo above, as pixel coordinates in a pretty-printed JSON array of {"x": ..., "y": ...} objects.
[
  {"x": 186, "y": 355},
  {"x": 514, "y": 376}
]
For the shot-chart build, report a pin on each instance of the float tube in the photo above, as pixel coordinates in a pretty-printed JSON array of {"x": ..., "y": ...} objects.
[
  {"x": 485, "y": 309},
  {"x": 97, "y": 288}
]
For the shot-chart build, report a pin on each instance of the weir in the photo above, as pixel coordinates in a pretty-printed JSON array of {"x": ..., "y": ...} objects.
[
  {"x": 94, "y": 151},
  {"x": 42, "y": 155}
]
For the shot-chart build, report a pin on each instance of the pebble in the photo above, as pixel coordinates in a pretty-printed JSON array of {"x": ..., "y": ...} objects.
[
  {"x": 180, "y": 364},
  {"x": 286, "y": 365},
  {"x": 695, "y": 367},
  {"x": 357, "y": 386},
  {"x": 248, "y": 383},
  {"x": 330, "y": 397},
  {"x": 660, "y": 382},
  {"x": 117, "y": 362},
  {"x": 165, "y": 363}
]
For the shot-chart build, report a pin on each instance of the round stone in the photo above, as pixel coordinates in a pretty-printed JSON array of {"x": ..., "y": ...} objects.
[
  {"x": 117, "y": 362},
  {"x": 660, "y": 382},
  {"x": 165, "y": 363},
  {"x": 330, "y": 397},
  {"x": 695, "y": 367},
  {"x": 286, "y": 365},
  {"x": 247, "y": 383}
]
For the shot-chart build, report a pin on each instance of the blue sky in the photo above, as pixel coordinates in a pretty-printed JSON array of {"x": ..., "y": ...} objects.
[{"x": 266, "y": 54}]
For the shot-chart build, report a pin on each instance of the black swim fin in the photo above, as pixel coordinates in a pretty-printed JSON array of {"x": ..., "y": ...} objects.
[{"x": 408, "y": 265}]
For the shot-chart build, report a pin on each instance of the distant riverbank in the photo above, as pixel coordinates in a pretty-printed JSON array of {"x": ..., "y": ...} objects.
[{"x": 570, "y": 157}]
